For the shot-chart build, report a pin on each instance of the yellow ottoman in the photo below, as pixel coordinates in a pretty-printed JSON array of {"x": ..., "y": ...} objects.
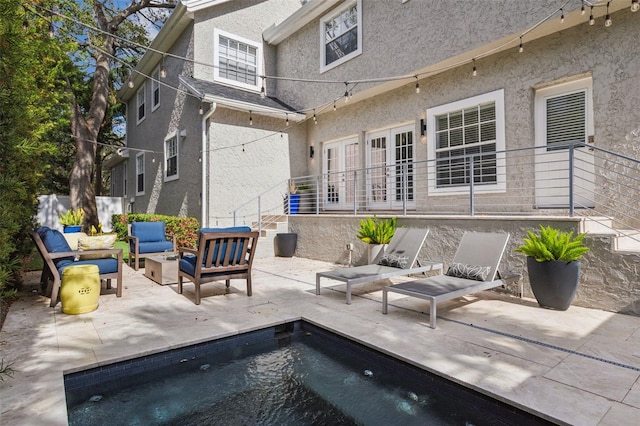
[{"x": 80, "y": 289}]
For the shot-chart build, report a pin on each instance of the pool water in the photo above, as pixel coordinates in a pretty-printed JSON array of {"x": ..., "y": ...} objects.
[{"x": 296, "y": 374}]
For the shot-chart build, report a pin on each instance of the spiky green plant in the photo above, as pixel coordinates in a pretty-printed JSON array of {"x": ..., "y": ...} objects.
[
  {"x": 72, "y": 217},
  {"x": 553, "y": 244},
  {"x": 377, "y": 231}
]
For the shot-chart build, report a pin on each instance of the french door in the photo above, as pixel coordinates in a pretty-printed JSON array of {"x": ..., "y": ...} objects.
[
  {"x": 390, "y": 174},
  {"x": 340, "y": 160}
]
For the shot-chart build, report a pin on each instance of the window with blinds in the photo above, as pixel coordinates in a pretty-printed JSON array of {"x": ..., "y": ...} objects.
[
  {"x": 341, "y": 35},
  {"x": 459, "y": 135},
  {"x": 566, "y": 117},
  {"x": 171, "y": 157}
]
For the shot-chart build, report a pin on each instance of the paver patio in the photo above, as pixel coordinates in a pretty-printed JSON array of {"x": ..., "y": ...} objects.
[{"x": 578, "y": 367}]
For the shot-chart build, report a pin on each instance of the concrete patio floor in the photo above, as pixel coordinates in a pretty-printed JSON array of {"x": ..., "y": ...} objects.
[{"x": 581, "y": 366}]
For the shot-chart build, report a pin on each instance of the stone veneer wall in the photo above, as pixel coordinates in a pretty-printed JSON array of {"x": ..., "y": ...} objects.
[{"x": 609, "y": 280}]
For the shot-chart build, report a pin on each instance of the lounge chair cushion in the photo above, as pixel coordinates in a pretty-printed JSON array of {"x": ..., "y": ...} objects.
[
  {"x": 471, "y": 272},
  {"x": 55, "y": 242},
  {"x": 106, "y": 266},
  {"x": 147, "y": 232},
  {"x": 395, "y": 260},
  {"x": 188, "y": 265}
]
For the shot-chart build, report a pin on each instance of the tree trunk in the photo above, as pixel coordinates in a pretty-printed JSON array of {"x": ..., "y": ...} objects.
[{"x": 81, "y": 193}]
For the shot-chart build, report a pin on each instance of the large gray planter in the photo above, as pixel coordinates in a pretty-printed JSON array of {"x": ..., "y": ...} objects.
[{"x": 554, "y": 283}]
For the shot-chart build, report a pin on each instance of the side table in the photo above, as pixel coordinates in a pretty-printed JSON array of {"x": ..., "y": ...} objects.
[{"x": 161, "y": 270}]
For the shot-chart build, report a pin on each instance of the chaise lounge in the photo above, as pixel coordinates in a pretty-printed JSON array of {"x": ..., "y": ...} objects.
[
  {"x": 400, "y": 259},
  {"x": 474, "y": 268}
]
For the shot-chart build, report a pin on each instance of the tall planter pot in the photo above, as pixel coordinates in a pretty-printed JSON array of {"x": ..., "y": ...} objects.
[
  {"x": 554, "y": 283},
  {"x": 373, "y": 250}
]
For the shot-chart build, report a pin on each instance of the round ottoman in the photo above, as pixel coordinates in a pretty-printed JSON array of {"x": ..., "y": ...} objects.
[{"x": 80, "y": 289}]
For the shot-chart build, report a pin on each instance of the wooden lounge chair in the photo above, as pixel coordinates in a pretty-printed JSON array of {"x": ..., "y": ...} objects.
[
  {"x": 474, "y": 268},
  {"x": 57, "y": 255},
  {"x": 400, "y": 258},
  {"x": 148, "y": 239},
  {"x": 222, "y": 254}
]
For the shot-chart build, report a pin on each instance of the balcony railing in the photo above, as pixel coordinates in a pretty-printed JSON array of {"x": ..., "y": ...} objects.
[{"x": 569, "y": 180}]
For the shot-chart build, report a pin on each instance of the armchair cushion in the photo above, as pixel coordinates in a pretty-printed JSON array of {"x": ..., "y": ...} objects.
[
  {"x": 105, "y": 266},
  {"x": 155, "y": 247},
  {"x": 55, "y": 242},
  {"x": 148, "y": 231}
]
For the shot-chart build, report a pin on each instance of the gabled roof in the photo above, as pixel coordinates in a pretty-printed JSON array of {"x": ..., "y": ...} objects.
[{"x": 239, "y": 99}]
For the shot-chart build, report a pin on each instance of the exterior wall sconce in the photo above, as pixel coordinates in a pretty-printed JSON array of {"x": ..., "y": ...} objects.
[
  {"x": 423, "y": 131},
  {"x": 311, "y": 151}
]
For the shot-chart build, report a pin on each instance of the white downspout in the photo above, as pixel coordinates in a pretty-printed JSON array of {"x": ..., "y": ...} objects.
[{"x": 204, "y": 155}]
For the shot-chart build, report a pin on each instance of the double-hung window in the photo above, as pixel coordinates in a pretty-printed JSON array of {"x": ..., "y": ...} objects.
[
  {"x": 465, "y": 137},
  {"x": 171, "y": 157},
  {"x": 140, "y": 174},
  {"x": 155, "y": 89},
  {"x": 140, "y": 99},
  {"x": 341, "y": 35},
  {"x": 238, "y": 61}
]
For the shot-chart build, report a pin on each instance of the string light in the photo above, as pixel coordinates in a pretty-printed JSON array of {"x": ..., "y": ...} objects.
[
  {"x": 242, "y": 147},
  {"x": 582, "y": 11},
  {"x": 607, "y": 19},
  {"x": 475, "y": 70},
  {"x": 130, "y": 82},
  {"x": 346, "y": 92},
  {"x": 263, "y": 91},
  {"x": 163, "y": 71},
  {"x": 287, "y": 120},
  {"x": 315, "y": 120},
  {"x": 417, "y": 85},
  {"x": 201, "y": 110},
  {"x": 521, "y": 48},
  {"x": 51, "y": 30},
  {"x": 334, "y": 105},
  {"x": 561, "y": 15},
  {"x": 635, "y": 5},
  {"x": 592, "y": 20},
  {"x": 250, "y": 118}
]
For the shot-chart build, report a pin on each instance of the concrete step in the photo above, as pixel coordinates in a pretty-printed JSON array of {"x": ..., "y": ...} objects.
[
  {"x": 597, "y": 225},
  {"x": 627, "y": 240}
]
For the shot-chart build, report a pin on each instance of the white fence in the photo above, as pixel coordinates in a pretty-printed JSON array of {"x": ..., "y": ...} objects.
[{"x": 51, "y": 206}]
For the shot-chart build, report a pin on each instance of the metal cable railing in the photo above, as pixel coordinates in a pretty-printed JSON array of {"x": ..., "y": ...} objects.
[{"x": 575, "y": 180}]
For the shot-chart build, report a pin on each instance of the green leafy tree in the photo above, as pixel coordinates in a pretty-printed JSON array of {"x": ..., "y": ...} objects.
[
  {"x": 97, "y": 34},
  {"x": 31, "y": 108}
]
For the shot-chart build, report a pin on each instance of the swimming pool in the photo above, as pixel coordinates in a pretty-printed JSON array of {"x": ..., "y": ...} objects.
[{"x": 296, "y": 373}]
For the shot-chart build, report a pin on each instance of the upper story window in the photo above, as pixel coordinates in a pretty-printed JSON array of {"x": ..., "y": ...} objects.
[
  {"x": 140, "y": 174},
  {"x": 155, "y": 89},
  {"x": 171, "y": 157},
  {"x": 140, "y": 99},
  {"x": 341, "y": 35},
  {"x": 465, "y": 133},
  {"x": 237, "y": 61}
]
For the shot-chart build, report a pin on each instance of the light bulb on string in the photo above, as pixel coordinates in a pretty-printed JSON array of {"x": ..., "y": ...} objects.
[
  {"x": 130, "y": 82},
  {"x": 334, "y": 104},
  {"x": 287, "y": 120},
  {"x": 250, "y": 119},
  {"x": 417, "y": 85},
  {"x": 561, "y": 15},
  {"x": 582, "y": 11},
  {"x": 592, "y": 20},
  {"x": 607, "y": 19},
  {"x": 635, "y": 5},
  {"x": 242, "y": 147},
  {"x": 315, "y": 120},
  {"x": 163, "y": 71},
  {"x": 475, "y": 70},
  {"x": 521, "y": 47},
  {"x": 51, "y": 30},
  {"x": 201, "y": 110},
  {"x": 263, "y": 91},
  {"x": 346, "y": 92}
]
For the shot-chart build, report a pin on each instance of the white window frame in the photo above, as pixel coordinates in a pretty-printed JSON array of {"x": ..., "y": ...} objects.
[
  {"x": 500, "y": 185},
  {"x": 216, "y": 60},
  {"x": 323, "y": 65},
  {"x": 141, "y": 103},
  {"x": 172, "y": 136},
  {"x": 140, "y": 172},
  {"x": 155, "y": 86}
]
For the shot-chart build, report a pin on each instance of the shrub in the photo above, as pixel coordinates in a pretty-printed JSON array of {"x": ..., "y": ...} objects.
[
  {"x": 185, "y": 229},
  {"x": 377, "y": 231},
  {"x": 553, "y": 244}
]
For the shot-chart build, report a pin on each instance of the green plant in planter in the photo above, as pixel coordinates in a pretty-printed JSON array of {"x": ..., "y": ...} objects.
[
  {"x": 377, "y": 231},
  {"x": 554, "y": 244},
  {"x": 553, "y": 266},
  {"x": 72, "y": 217}
]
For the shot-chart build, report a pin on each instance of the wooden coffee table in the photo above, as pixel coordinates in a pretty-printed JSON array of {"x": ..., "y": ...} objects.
[{"x": 161, "y": 270}]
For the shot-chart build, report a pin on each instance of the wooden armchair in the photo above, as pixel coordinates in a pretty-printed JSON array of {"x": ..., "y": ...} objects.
[
  {"x": 222, "y": 254},
  {"x": 57, "y": 255},
  {"x": 148, "y": 239}
]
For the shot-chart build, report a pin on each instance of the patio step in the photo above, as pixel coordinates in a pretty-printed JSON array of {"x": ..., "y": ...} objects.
[
  {"x": 597, "y": 225},
  {"x": 627, "y": 241},
  {"x": 271, "y": 225}
]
